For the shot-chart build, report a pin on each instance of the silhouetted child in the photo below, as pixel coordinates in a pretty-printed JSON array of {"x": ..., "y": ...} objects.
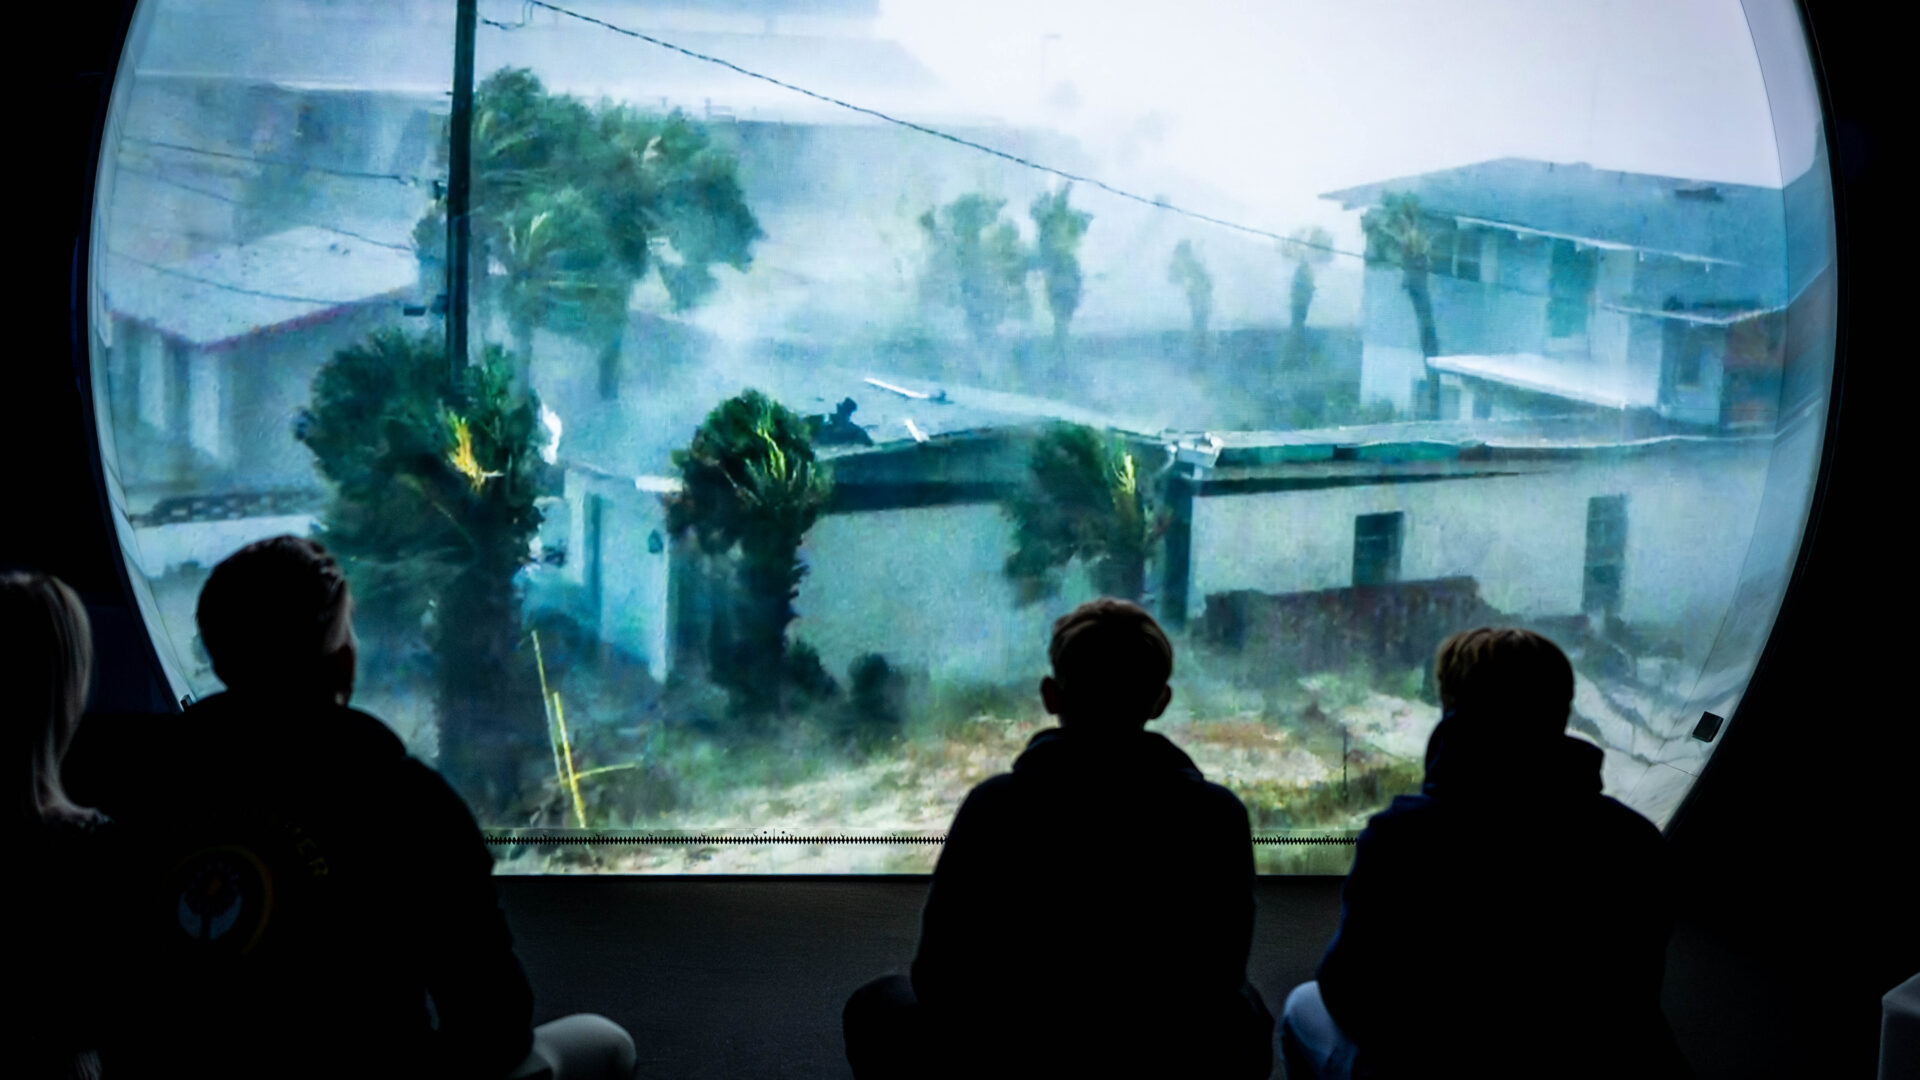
[
  {"x": 61, "y": 952},
  {"x": 1092, "y": 909},
  {"x": 314, "y": 902},
  {"x": 1509, "y": 920}
]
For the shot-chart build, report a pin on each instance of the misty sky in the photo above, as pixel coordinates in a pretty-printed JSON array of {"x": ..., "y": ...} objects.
[{"x": 1273, "y": 103}]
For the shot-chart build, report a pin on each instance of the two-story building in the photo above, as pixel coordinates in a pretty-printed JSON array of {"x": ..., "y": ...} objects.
[
  {"x": 1563, "y": 289},
  {"x": 209, "y": 359}
]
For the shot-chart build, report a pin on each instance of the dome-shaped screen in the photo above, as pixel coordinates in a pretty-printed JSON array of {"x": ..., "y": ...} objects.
[{"x": 809, "y": 358}]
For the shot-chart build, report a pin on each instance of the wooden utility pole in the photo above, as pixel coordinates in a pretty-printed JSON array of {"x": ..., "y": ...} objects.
[{"x": 460, "y": 186}]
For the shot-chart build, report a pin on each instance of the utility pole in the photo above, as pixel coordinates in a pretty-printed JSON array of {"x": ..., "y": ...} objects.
[
  {"x": 1346, "y": 753},
  {"x": 460, "y": 186}
]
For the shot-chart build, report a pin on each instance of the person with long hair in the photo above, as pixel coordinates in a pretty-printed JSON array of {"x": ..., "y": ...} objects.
[{"x": 48, "y": 662}]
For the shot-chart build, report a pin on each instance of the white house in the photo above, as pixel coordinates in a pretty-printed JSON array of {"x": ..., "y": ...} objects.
[
  {"x": 1560, "y": 288},
  {"x": 209, "y": 359}
]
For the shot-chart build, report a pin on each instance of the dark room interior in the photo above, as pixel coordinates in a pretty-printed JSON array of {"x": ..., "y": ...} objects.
[{"x": 1797, "y": 900}]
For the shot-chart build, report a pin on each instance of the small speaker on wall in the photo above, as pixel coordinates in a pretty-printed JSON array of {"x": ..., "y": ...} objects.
[{"x": 1708, "y": 727}]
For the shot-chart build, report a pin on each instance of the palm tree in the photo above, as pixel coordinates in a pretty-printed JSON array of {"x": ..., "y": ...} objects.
[
  {"x": 1084, "y": 499},
  {"x": 559, "y": 271},
  {"x": 578, "y": 204},
  {"x": 976, "y": 263},
  {"x": 434, "y": 473},
  {"x": 1308, "y": 247},
  {"x": 1187, "y": 270},
  {"x": 749, "y": 482},
  {"x": 1058, "y": 229},
  {"x": 1397, "y": 233}
]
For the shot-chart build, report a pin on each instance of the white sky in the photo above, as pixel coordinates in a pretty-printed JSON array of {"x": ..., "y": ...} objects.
[{"x": 1273, "y": 102}]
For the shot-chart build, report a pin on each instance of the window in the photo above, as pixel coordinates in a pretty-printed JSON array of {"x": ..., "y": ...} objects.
[
  {"x": 980, "y": 394},
  {"x": 1444, "y": 235},
  {"x": 1685, "y": 347},
  {"x": 1466, "y": 263},
  {"x": 1606, "y": 554},
  {"x": 1376, "y": 548},
  {"x": 1570, "y": 283}
]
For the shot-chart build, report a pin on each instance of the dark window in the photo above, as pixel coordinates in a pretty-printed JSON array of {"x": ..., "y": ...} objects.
[
  {"x": 1482, "y": 407},
  {"x": 1376, "y": 548},
  {"x": 1449, "y": 402},
  {"x": 596, "y": 510},
  {"x": 1443, "y": 234},
  {"x": 1570, "y": 289},
  {"x": 1684, "y": 346},
  {"x": 1466, "y": 259},
  {"x": 1606, "y": 553}
]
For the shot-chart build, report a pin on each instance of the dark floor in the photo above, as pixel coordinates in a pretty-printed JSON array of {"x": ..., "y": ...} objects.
[{"x": 744, "y": 978}]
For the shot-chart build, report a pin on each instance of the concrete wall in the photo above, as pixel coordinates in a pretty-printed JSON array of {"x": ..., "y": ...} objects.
[
  {"x": 159, "y": 549},
  {"x": 925, "y": 588},
  {"x": 271, "y": 376},
  {"x": 611, "y": 558},
  {"x": 223, "y": 419},
  {"x": 1690, "y": 512}
]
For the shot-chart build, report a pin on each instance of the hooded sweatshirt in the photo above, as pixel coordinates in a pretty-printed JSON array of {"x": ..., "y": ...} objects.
[
  {"x": 307, "y": 898},
  {"x": 1509, "y": 918},
  {"x": 1102, "y": 886}
]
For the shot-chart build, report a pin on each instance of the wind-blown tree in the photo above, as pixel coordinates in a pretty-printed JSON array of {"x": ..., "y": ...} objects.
[
  {"x": 976, "y": 263},
  {"x": 1084, "y": 498},
  {"x": 1397, "y": 235},
  {"x": 434, "y": 471},
  {"x": 1058, "y": 230},
  {"x": 557, "y": 270},
  {"x": 750, "y": 490},
  {"x": 1190, "y": 274},
  {"x": 579, "y": 204},
  {"x": 1308, "y": 247}
]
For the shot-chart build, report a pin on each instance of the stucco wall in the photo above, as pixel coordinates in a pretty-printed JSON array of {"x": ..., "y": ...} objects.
[
  {"x": 1690, "y": 513},
  {"x": 925, "y": 588}
]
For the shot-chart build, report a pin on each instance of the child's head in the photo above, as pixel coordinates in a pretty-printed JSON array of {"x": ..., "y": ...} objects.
[
  {"x": 1111, "y": 663},
  {"x": 1510, "y": 677},
  {"x": 276, "y": 617}
]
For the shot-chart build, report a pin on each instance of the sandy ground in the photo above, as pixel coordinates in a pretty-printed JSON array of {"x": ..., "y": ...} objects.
[{"x": 915, "y": 790}]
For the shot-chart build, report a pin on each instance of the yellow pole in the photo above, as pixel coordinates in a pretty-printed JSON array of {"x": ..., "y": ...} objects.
[
  {"x": 546, "y": 707},
  {"x": 560, "y": 717}
]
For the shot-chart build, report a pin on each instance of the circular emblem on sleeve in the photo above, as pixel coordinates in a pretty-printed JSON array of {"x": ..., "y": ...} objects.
[{"x": 223, "y": 897}]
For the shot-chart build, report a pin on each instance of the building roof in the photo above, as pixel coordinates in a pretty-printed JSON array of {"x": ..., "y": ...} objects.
[
  {"x": 382, "y": 53},
  {"x": 238, "y": 290},
  {"x": 1447, "y": 440},
  {"x": 896, "y": 409},
  {"x": 1720, "y": 223},
  {"x": 1609, "y": 386}
]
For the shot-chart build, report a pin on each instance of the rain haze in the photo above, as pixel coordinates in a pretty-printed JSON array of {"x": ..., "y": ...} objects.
[
  {"x": 822, "y": 353},
  {"x": 1276, "y": 103}
]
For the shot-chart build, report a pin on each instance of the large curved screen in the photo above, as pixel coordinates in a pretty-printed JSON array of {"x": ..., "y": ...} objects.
[{"x": 818, "y": 354}]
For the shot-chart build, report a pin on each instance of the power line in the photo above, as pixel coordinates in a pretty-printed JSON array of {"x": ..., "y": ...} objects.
[
  {"x": 171, "y": 272},
  {"x": 409, "y": 179},
  {"x": 211, "y": 194},
  {"x": 1091, "y": 181},
  {"x": 1029, "y": 163}
]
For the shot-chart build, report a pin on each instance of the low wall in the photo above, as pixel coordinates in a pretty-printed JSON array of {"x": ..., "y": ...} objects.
[{"x": 1398, "y": 625}]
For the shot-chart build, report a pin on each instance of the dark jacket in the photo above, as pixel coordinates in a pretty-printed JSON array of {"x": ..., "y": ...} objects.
[
  {"x": 1100, "y": 893},
  {"x": 1508, "y": 919},
  {"x": 64, "y": 941},
  {"x": 308, "y": 898}
]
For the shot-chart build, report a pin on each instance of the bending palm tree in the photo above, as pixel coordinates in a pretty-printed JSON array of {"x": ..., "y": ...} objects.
[
  {"x": 1397, "y": 233},
  {"x": 1307, "y": 247}
]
